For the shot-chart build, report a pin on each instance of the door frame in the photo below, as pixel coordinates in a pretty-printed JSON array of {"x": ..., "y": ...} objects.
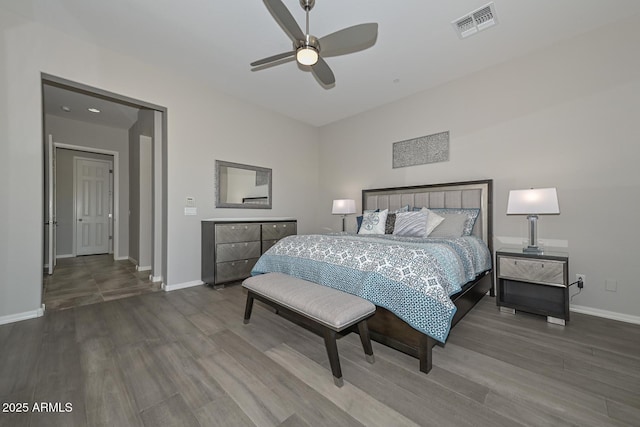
[
  {"x": 115, "y": 201},
  {"x": 160, "y": 167},
  {"x": 52, "y": 250}
]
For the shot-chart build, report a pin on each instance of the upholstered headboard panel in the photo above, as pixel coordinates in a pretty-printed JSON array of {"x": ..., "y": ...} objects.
[{"x": 470, "y": 194}]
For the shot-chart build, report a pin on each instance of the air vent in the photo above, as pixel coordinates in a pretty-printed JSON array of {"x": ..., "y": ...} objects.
[{"x": 478, "y": 20}]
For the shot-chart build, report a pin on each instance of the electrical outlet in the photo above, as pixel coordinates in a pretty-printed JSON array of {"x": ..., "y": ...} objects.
[{"x": 580, "y": 276}]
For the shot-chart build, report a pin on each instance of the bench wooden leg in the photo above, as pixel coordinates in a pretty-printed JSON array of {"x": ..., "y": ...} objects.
[
  {"x": 332, "y": 352},
  {"x": 248, "y": 307},
  {"x": 363, "y": 330}
]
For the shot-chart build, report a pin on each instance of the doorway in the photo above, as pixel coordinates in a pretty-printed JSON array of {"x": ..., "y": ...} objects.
[{"x": 105, "y": 230}]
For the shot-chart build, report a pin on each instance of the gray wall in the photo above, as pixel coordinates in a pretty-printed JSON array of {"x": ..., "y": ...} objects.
[
  {"x": 144, "y": 126},
  {"x": 202, "y": 125},
  {"x": 565, "y": 117}
]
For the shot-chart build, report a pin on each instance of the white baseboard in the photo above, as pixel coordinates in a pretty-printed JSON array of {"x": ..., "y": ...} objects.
[
  {"x": 11, "y": 318},
  {"x": 606, "y": 314},
  {"x": 144, "y": 268},
  {"x": 121, "y": 258},
  {"x": 177, "y": 286},
  {"x": 156, "y": 279},
  {"x": 65, "y": 256},
  {"x": 135, "y": 261}
]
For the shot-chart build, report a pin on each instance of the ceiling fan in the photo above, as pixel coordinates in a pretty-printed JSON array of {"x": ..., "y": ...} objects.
[{"x": 310, "y": 51}]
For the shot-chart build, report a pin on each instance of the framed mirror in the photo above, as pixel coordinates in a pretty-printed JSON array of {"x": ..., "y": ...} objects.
[{"x": 242, "y": 186}]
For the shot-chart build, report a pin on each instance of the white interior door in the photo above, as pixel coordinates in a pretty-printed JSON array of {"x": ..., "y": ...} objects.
[
  {"x": 51, "y": 220},
  {"x": 92, "y": 206}
]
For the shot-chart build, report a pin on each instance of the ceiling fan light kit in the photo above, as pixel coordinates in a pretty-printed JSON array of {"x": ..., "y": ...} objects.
[
  {"x": 307, "y": 53},
  {"x": 309, "y": 50}
]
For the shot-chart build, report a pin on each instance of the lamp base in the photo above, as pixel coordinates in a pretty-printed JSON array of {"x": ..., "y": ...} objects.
[{"x": 533, "y": 250}]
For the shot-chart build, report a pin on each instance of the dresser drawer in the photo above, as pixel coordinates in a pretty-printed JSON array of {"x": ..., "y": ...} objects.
[
  {"x": 277, "y": 230},
  {"x": 229, "y": 233},
  {"x": 236, "y": 251},
  {"x": 546, "y": 272},
  {"x": 234, "y": 270}
]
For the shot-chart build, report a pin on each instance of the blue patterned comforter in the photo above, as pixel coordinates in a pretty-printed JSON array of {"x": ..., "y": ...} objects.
[{"x": 411, "y": 277}]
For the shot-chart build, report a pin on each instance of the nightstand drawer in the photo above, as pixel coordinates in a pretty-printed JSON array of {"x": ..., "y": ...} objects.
[{"x": 546, "y": 272}]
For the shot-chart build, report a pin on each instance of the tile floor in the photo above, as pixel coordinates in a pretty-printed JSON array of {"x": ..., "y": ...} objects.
[{"x": 95, "y": 278}]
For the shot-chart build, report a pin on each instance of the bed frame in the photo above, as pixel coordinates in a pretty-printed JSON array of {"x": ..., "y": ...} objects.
[{"x": 385, "y": 327}]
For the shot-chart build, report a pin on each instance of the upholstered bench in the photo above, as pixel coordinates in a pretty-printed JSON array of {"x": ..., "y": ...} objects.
[{"x": 324, "y": 309}]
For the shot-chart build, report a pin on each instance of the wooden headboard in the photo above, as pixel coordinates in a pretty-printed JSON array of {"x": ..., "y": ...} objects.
[{"x": 468, "y": 194}]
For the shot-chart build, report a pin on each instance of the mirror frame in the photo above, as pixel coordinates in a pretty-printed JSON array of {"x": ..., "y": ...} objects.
[{"x": 221, "y": 204}]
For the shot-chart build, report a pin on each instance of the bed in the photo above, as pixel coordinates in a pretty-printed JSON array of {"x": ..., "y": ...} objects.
[{"x": 421, "y": 287}]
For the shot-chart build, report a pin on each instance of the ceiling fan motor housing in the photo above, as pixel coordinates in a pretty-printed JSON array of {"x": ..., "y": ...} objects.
[
  {"x": 307, "y": 4},
  {"x": 309, "y": 41}
]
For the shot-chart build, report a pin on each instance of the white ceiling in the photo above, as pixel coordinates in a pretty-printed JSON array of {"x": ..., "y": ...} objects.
[
  {"x": 76, "y": 107},
  {"x": 214, "y": 41}
]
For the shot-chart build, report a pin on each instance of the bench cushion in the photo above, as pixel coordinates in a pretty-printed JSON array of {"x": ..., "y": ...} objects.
[{"x": 329, "y": 307}]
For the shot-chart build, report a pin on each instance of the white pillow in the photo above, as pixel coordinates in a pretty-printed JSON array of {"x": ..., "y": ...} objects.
[
  {"x": 433, "y": 220},
  {"x": 373, "y": 222}
]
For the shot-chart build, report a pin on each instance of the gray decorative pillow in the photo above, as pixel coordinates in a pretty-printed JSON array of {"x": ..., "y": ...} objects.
[
  {"x": 470, "y": 213},
  {"x": 453, "y": 225},
  {"x": 390, "y": 224},
  {"x": 411, "y": 224}
]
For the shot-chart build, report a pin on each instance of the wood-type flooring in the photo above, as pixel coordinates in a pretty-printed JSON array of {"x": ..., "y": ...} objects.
[
  {"x": 91, "y": 279},
  {"x": 185, "y": 358}
]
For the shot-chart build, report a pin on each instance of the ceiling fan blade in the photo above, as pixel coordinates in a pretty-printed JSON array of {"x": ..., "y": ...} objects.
[
  {"x": 349, "y": 40},
  {"x": 273, "y": 58},
  {"x": 284, "y": 18},
  {"x": 322, "y": 71}
]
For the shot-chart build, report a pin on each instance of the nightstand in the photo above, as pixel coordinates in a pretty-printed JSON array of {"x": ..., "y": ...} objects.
[{"x": 535, "y": 283}]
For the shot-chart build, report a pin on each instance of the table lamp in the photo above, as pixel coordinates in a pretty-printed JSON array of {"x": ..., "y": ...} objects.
[
  {"x": 533, "y": 202},
  {"x": 343, "y": 207}
]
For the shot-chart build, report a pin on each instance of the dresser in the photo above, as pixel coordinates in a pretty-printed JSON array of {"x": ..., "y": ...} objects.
[{"x": 231, "y": 247}]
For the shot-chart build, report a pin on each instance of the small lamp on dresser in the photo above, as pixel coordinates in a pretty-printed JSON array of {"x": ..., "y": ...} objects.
[
  {"x": 533, "y": 202},
  {"x": 343, "y": 207}
]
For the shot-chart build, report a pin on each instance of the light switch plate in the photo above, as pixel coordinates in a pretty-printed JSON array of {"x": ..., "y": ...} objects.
[{"x": 191, "y": 211}]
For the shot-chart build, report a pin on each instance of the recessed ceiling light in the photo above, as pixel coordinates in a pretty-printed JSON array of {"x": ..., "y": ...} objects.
[
  {"x": 65, "y": 108},
  {"x": 93, "y": 110}
]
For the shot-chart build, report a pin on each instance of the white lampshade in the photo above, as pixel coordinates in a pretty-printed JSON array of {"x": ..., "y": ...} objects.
[
  {"x": 343, "y": 207},
  {"x": 535, "y": 201}
]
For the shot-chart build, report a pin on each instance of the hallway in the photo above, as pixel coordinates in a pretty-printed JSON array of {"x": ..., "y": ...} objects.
[{"x": 90, "y": 279}]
